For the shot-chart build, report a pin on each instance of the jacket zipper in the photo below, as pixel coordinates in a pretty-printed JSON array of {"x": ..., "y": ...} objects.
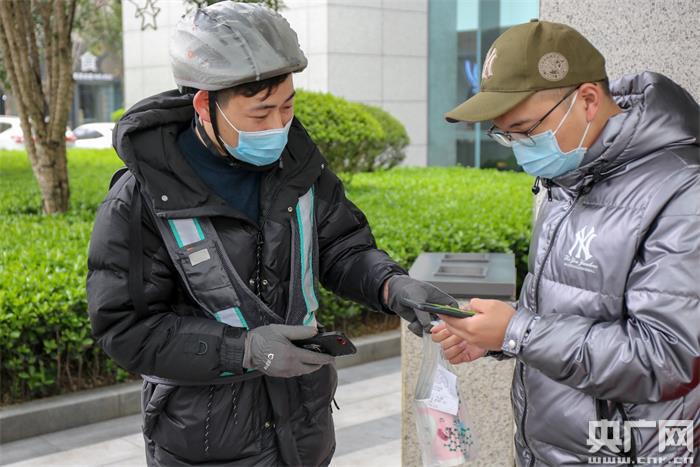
[
  {"x": 522, "y": 421},
  {"x": 236, "y": 279},
  {"x": 632, "y": 453},
  {"x": 260, "y": 240},
  {"x": 537, "y": 295}
]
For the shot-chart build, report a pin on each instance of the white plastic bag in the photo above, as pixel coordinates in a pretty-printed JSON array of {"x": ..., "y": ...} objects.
[{"x": 445, "y": 434}]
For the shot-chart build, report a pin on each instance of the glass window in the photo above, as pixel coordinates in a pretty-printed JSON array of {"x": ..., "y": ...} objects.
[{"x": 460, "y": 34}]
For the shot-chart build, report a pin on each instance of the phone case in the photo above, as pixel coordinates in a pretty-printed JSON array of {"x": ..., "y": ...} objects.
[{"x": 332, "y": 343}]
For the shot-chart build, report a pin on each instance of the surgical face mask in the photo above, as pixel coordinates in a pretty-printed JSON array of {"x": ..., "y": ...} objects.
[
  {"x": 544, "y": 158},
  {"x": 258, "y": 147}
]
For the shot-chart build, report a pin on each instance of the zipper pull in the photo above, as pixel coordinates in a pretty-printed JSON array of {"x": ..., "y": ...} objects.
[
  {"x": 587, "y": 184},
  {"x": 536, "y": 186},
  {"x": 548, "y": 185}
]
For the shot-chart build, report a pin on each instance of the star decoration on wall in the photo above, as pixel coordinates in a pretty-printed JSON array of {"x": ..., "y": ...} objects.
[
  {"x": 149, "y": 9},
  {"x": 195, "y": 5}
]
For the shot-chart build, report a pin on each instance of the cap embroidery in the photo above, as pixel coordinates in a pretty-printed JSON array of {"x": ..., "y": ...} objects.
[
  {"x": 553, "y": 66},
  {"x": 488, "y": 64}
]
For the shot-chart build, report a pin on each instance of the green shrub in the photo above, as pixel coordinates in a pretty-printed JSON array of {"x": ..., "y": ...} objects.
[
  {"x": 390, "y": 152},
  {"x": 346, "y": 134},
  {"x": 354, "y": 137},
  {"x": 117, "y": 114},
  {"x": 455, "y": 209},
  {"x": 46, "y": 345},
  {"x": 45, "y": 338}
]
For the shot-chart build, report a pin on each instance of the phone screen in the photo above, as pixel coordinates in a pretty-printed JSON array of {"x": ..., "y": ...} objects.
[{"x": 450, "y": 310}]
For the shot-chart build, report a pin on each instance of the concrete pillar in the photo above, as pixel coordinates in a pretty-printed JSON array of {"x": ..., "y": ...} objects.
[{"x": 634, "y": 36}]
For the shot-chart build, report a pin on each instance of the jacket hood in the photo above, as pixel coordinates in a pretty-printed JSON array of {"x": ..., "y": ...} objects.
[
  {"x": 166, "y": 108},
  {"x": 146, "y": 140},
  {"x": 657, "y": 114}
]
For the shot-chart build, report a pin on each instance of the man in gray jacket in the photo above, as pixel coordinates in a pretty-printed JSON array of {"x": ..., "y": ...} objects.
[{"x": 606, "y": 332}]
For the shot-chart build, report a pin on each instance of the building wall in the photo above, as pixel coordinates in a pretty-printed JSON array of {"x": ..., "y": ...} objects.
[
  {"x": 460, "y": 34},
  {"x": 371, "y": 51},
  {"x": 146, "y": 62},
  {"x": 634, "y": 35}
]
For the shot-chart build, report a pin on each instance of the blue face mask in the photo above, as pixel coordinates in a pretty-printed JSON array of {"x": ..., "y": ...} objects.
[
  {"x": 544, "y": 158},
  {"x": 258, "y": 147}
]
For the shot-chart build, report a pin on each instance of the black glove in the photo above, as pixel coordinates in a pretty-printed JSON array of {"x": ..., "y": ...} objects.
[
  {"x": 403, "y": 286},
  {"x": 269, "y": 349}
]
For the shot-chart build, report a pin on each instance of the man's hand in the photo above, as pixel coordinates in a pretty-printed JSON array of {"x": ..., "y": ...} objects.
[
  {"x": 269, "y": 349},
  {"x": 402, "y": 286},
  {"x": 454, "y": 348},
  {"x": 487, "y": 328}
]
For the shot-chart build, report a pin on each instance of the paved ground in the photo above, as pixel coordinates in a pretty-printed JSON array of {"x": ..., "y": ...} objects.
[{"x": 368, "y": 429}]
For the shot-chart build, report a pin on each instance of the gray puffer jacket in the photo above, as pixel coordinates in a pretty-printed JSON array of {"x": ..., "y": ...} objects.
[{"x": 608, "y": 321}]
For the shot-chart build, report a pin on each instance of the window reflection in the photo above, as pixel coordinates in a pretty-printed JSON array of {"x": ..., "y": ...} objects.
[{"x": 460, "y": 33}]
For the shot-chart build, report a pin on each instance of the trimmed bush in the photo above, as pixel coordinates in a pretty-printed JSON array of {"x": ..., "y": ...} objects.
[
  {"x": 391, "y": 151},
  {"x": 344, "y": 131},
  {"x": 117, "y": 114},
  {"x": 455, "y": 209},
  {"x": 354, "y": 137},
  {"x": 45, "y": 339}
]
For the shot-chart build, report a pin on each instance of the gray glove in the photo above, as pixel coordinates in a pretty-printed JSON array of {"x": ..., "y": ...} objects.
[
  {"x": 269, "y": 349},
  {"x": 403, "y": 286}
]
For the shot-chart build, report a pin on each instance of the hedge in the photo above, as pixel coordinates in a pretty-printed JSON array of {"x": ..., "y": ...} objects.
[
  {"x": 45, "y": 339},
  {"x": 391, "y": 151},
  {"x": 354, "y": 137},
  {"x": 45, "y": 342},
  {"x": 117, "y": 114}
]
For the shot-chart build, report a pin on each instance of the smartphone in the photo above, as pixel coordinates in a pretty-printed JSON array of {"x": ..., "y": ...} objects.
[
  {"x": 331, "y": 343},
  {"x": 438, "y": 309}
]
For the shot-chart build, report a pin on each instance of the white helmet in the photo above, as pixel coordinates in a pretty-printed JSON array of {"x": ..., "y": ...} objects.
[{"x": 230, "y": 43}]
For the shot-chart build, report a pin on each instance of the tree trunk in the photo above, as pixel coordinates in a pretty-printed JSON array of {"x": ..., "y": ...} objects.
[
  {"x": 51, "y": 172},
  {"x": 42, "y": 85}
]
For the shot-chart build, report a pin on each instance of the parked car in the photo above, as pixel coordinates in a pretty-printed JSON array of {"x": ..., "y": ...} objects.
[
  {"x": 10, "y": 133},
  {"x": 12, "y": 137},
  {"x": 96, "y": 135}
]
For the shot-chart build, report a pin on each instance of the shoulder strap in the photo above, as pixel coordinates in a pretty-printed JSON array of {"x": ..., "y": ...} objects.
[
  {"x": 117, "y": 175},
  {"x": 198, "y": 256},
  {"x": 136, "y": 287},
  {"x": 135, "y": 280}
]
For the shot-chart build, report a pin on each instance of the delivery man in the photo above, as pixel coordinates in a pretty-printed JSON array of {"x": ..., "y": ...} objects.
[{"x": 206, "y": 255}]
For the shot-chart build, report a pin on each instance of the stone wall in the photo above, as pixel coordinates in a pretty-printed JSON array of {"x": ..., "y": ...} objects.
[{"x": 638, "y": 35}]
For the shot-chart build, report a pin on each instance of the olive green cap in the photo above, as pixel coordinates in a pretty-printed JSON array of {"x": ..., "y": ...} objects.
[{"x": 528, "y": 58}]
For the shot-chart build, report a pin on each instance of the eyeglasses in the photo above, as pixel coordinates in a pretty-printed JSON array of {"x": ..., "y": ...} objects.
[{"x": 507, "y": 138}]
